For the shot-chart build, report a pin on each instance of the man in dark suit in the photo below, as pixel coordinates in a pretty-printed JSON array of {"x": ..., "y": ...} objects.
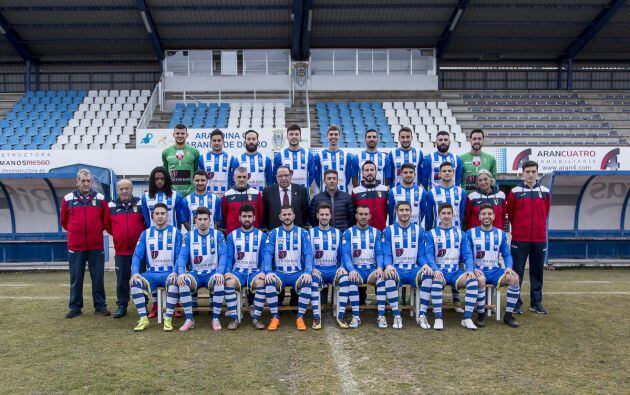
[{"x": 284, "y": 193}]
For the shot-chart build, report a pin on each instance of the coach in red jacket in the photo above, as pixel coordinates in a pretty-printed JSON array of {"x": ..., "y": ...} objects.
[
  {"x": 84, "y": 213},
  {"x": 528, "y": 210},
  {"x": 235, "y": 197},
  {"x": 373, "y": 194},
  {"x": 125, "y": 224}
]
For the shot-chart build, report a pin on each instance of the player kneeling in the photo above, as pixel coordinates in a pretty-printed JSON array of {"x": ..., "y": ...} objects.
[
  {"x": 445, "y": 245},
  {"x": 204, "y": 253},
  {"x": 486, "y": 243},
  {"x": 405, "y": 263}
]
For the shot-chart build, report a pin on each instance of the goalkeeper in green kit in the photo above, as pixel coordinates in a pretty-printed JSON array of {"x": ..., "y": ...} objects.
[
  {"x": 181, "y": 160},
  {"x": 476, "y": 160}
]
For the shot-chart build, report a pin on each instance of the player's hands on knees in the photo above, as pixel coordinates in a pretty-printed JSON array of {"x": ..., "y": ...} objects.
[
  {"x": 479, "y": 273},
  {"x": 379, "y": 273},
  {"x": 426, "y": 269},
  {"x": 181, "y": 280},
  {"x": 390, "y": 272},
  {"x": 172, "y": 278},
  {"x": 270, "y": 278},
  {"x": 306, "y": 279},
  {"x": 438, "y": 275},
  {"x": 470, "y": 276},
  {"x": 354, "y": 276},
  {"x": 217, "y": 278},
  {"x": 316, "y": 272},
  {"x": 228, "y": 276},
  {"x": 134, "y": 278},
  {"x": 342, "y": 271}
]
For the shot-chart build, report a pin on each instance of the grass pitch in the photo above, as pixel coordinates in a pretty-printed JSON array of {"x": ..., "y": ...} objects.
[{"x": 581, "y": 347}]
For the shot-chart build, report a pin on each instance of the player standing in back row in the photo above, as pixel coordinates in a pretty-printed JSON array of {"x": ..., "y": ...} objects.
[
  {"x": 218, "y": 164},
  {"x": 476, "y": 160},
  {"x": 181, "y": 160},
  {"x": 333, "y": 158},
  {"x": 299, "y": 160}
]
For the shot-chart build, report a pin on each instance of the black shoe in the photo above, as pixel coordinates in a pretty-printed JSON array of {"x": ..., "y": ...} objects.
[
  {"x": 518, "y": 310},
  {"x": 538, "y": 308},
  {"x": 481, "y": 320},
  {"x": 72, "y": 314},
  {"x": 121, "y": 311},
  {"x": 510, "y": 321},
  {"x": 195, "y": 313},
  {"x": 104, "y": 312}
]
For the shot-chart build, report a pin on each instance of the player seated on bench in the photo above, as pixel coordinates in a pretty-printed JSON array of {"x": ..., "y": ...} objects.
[
  {"x": 245, "y": 253},
  {"x": 326, "y": 244},
  {"x": 160, "y": 246},
  {"x": 486, "y": 243},
  {"x": 363, "y": 260},
  {"x": 444, "y": 246},
  {"x": 405, "y": 263},
  {"x": 204, "y": 253},
  {"x": 288, "y": 262}
]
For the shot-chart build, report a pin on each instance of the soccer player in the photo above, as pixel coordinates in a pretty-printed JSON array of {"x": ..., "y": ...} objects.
[
  {"x": 204, "y": 252},
  {"x": 372, "y": 194},
  {"x": 201, "y": 198},
  {"x": 372, "y": 154},
  {"x": 476, "y": 160},
  {"x": 363, "y": 260},
  {"x": 326, "y": 244},
  {"x": 447, "y": 191},
  {"x": 245, "y": 256},
  {"x": 431, "y": 162},
  {"x": 405, "y": 263},
  {"x": 335, "y": 159},
  {"x": 486, "y": 243},
  {"x": 218, "y": 164},
  {"x": 408, "y": 191},
  {"x": 445, "y": 246},
  {"x": 401, "y": 155},
  {"x": 159, "y": 246},
  {"x": 241, "y": 193},
  {"x": 288, "y": 261},
  {"x": 486, "y": 193},
  {"x": 181, "y": 160},
  {"x": 300, "y": 161},
  {"x": 161, "y": 190},
  {"x": 259, "y": 168}
]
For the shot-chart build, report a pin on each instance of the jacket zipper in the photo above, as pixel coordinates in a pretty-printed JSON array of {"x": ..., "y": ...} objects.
[
  {"x": 86, "y": 232},
  {"x": 332, "y": 204},
  {"x": 531, "y": 225}
]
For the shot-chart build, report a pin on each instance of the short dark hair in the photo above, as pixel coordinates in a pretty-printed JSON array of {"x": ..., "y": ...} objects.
[
  {"x": 323, "y": 206},
  {"x": 444, "y": 164},
  {"x": 201, "y": 210},
  {"x": 442, "y": 133},
  {"x": 248, "y": 132},
  {"x": 408, "y": 166},
  {"x": 477, "y": 131},
  {"x": 284, "y": 167},
  {"x": 484, "y": 206},
  {"x": 363, "y": 206},
  {"x": 368, "y": 162},
  {"x": 294, "y": 126},
  {"x": 200, "y": 173},
  {"x": 287, "y": 207},
  {"x": 217, "y": 132},
  {"x": 329, "y": 171},
  {"x": 333, "y": 127},
  {"x": 370, "y": 130},
  {"x": 246, "y": 208},
  {"x": 181, "y": 126},
  {"x": 529, "y": 163},
  {"x": 160, "y": 205},
  {"x": 444, "y": 206},
  {"x": 405, "y": 129},
  {"x": 402, "y": 203}
]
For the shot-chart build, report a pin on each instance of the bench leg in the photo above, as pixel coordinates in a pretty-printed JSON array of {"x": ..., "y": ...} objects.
[
  {"x": 489, "y": 292},
  {"x": 336, "y": 307},
  {"x": 417, "y": 303},
  {"x": 412, "y": 301},
  {"x": 498, "y": 304},
  {"x": 239, "y": 307},
  {"x": 159, "y": 305}
]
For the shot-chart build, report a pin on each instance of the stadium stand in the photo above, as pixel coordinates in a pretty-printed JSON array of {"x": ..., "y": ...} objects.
[
  {"x": 105, "y": 119},
  {"x": 229, "y": 115}
]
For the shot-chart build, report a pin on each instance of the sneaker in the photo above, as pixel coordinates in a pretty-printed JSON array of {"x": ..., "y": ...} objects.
[
  {"x": 510, "y": 321},
  {"x": 538, "y": 308},
  {"x": 481, "y": 320},
  {"x": 153, "y": 312},
  {"x": 168, "y": 324},
  {"x": 121, "y": 311},
  {"x": 355, "y": 323},
  {"x": 317, "y": 323},
  {"x": 233, "y": 324},
  {"x": 342, "y": 323},
  {"x": 72, "y": 314},
  {"x": 299, "y": 324},
  {"x": 274, "y": 324},
  {"x": 468, "y": 324},
  {"x": 258, "y": 325},
  {"x": 188, "y": 325},
  {"x": 438, "y": 325},
  {"x": 381, "y": 322},
  {"x": 104, "y": 312},
  {"x": 216, "y": 325},
  {"x": 459, "y": 310},
  {"x": 423, "y": 322},
  {"x": 397, "y": 322},
  {"x": 143, "y": 323}
]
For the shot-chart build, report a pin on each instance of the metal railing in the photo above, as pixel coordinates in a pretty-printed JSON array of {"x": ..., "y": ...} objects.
[{"x": 149, "y": 109}]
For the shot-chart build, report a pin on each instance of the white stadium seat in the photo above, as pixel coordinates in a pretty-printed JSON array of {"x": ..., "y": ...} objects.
[
  {"x": 119, "y": 146},
  {"x": 107, "y": 146},
  {"x": 92, "y": 93},
  {"x": 134, "y": 93},
  {"x": 63, "y": 139},
  {"x": 103, "y": 93},
  {"x": 69, "y": 146},
  {"x": 146, "y": 93},
  {"x": 99, "y": 139}
]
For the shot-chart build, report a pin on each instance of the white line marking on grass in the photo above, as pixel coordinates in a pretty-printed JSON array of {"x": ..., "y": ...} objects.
[
  {"x": 588, "y": 293},
  {"x": 590, "y": 282},
  {"x": 342, "y": 362},
  {"x": 33, "y": 297},
  {"x": 15, "y": 285}
]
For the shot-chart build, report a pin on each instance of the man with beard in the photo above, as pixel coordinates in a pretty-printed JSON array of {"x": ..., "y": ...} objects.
[
  {"x": 476, "y": 160},
  {"x": 333, "y": 158},
  {"x": 218, "y": 164},
  {"x": 259, "y": 168},
  {"x": 297, "y": 159},
  {"x": 201, "y": 198},
  {"x": 401, "y": 155},
  {"x": 408, "y": 191},
  {"x": 242, "y": 193},
  {"x": 181, "y": 160},
  {"x": 372, "y": 154},
  {"x": 372, "y": 194},
  {"x": 431, "y": 163}
]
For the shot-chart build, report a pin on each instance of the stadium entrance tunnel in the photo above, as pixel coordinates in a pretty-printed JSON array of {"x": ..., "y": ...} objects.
[
  {"x": 30, "y": 203},
  {"x": 589, "y": 217}
]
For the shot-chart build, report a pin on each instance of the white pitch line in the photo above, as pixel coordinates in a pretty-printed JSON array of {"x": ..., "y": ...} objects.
[
  {"x": 587, "y": 293},
  {"x": 342, "y": 362},
  {"x": 15, "y": 285},
  {"x": 33, "y": 297}
]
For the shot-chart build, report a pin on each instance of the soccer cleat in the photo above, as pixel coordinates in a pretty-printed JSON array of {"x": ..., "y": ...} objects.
[
  {"x": 397, "y": 322},
  {"x": 481, "y": 320},
  {"x": 216, "y": 325},
  {"x": 121, "y": 311},
  {"x": 168, "y": 324},
  {"x": 274, "y": 324},
  {"x": 468, "y": 324},
  {"x": 143, "y": 323},
  {"x": 104, "y": 312},
  {"x": 538, "y": 308},
  {"x": 299, "y": 324},
  {"x": 189, "y": 324},
  {"x": 423, "y": 322},
  {"x": 355, "y": 323},
  {"x": 459, "y": 310},
  {"x": 438, "y": 325},
  {"x": 342, "y": 323},
  {"x": 317, "y": 323},
  {"x": 233, "y": 324},
  {"x": 72, "y": 314},
  {"x": 381, "y": 322},
  {"x": 153, "y": 312},
  {"x": 258, "y": 325},
  {"x": 510, "y": 321}
]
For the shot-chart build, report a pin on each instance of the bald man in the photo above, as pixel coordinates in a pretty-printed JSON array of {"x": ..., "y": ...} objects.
[{"x": 125, "y": 224}]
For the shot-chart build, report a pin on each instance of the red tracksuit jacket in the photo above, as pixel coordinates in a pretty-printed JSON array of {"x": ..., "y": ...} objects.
[
  {"x": 473, "y": 206},
  {"x": 234, "y": 199},
  {"x": 528, "y": 209},
  {"x": 375, "y": 197},
  {"x": 84, "y": 217},
  {"x": 125, "y": 224}
]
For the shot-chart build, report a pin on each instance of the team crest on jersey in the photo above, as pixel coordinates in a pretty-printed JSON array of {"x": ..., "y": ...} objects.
[
  {"x": 399, "y": 251},
  {"x": 135, "y": 209},
  {"x": 155, "y": 254},
  {"x": 249, "y": 197},
  {"x": 476, "y": 161},
  {"x": 398, "y": 171},
  {"x": 93, "y": 202},
  {"x": 356, "y": 253},
  {"x": 198, "y": 259},
  {"x": 210, "y": 175},
  {"x": 240, "y": 255},
  {"x": 441, "y": 252},
  {"x": 436, "y": 176},
  {"x": 282, "y": 254},
  {"x": 319, "y": 254},
  {"x": 179, "y": 155},
  {"x": 380, "y": 194},
  {"x": 480, "y": 254}
]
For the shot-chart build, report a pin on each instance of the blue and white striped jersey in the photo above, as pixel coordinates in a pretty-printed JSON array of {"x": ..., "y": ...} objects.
[
  {"x": 204, "y": 253},
  {"x": 379, "y": 158},
  {"x": 288, "y": 251},
  {"x": 259, "y": 169},
  {"x": 362, "y": 248},
  {"x": 174, "y": 203},
  {"x": 415, "y": 195},
  {"x": 403, "y": 247},
  {"x": 444, "y": 247},
  {"x": 431, "y": 168},
  {"x": 193, "y": 201},
  {"x": 338, "y": 160},
  {"x": 400, "y": 156},
  {"x": 453, "y": 195},
  {"x": 219, "y": 168},
  {"x": 301, "y": 162},
  {"x": 245, "y": 250},
  {"x": 159, "y": 248},
  {"x": 486, "y": 246},
  {"x": 326, "y": 246}
]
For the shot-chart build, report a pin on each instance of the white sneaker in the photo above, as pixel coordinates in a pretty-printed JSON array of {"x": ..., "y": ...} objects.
[
  {"x": 397, "y": 322},
  {"x": 438, "y": 325},
  {"x": 468, "y": 324},
  {"x": 459, "y": 310},
  {"x": 381, "y": 322},
  {"x": 423, "y": 322},
  {"x": 356, "y": 322}
]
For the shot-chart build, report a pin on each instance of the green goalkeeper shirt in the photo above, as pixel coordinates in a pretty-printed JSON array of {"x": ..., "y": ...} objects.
[
  {"x": 181, "y": 164},
  {"x": 472, "y": 164}
]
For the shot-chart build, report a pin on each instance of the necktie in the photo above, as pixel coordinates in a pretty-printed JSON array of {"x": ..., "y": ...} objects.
[{"x": 285, "y": 198}]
